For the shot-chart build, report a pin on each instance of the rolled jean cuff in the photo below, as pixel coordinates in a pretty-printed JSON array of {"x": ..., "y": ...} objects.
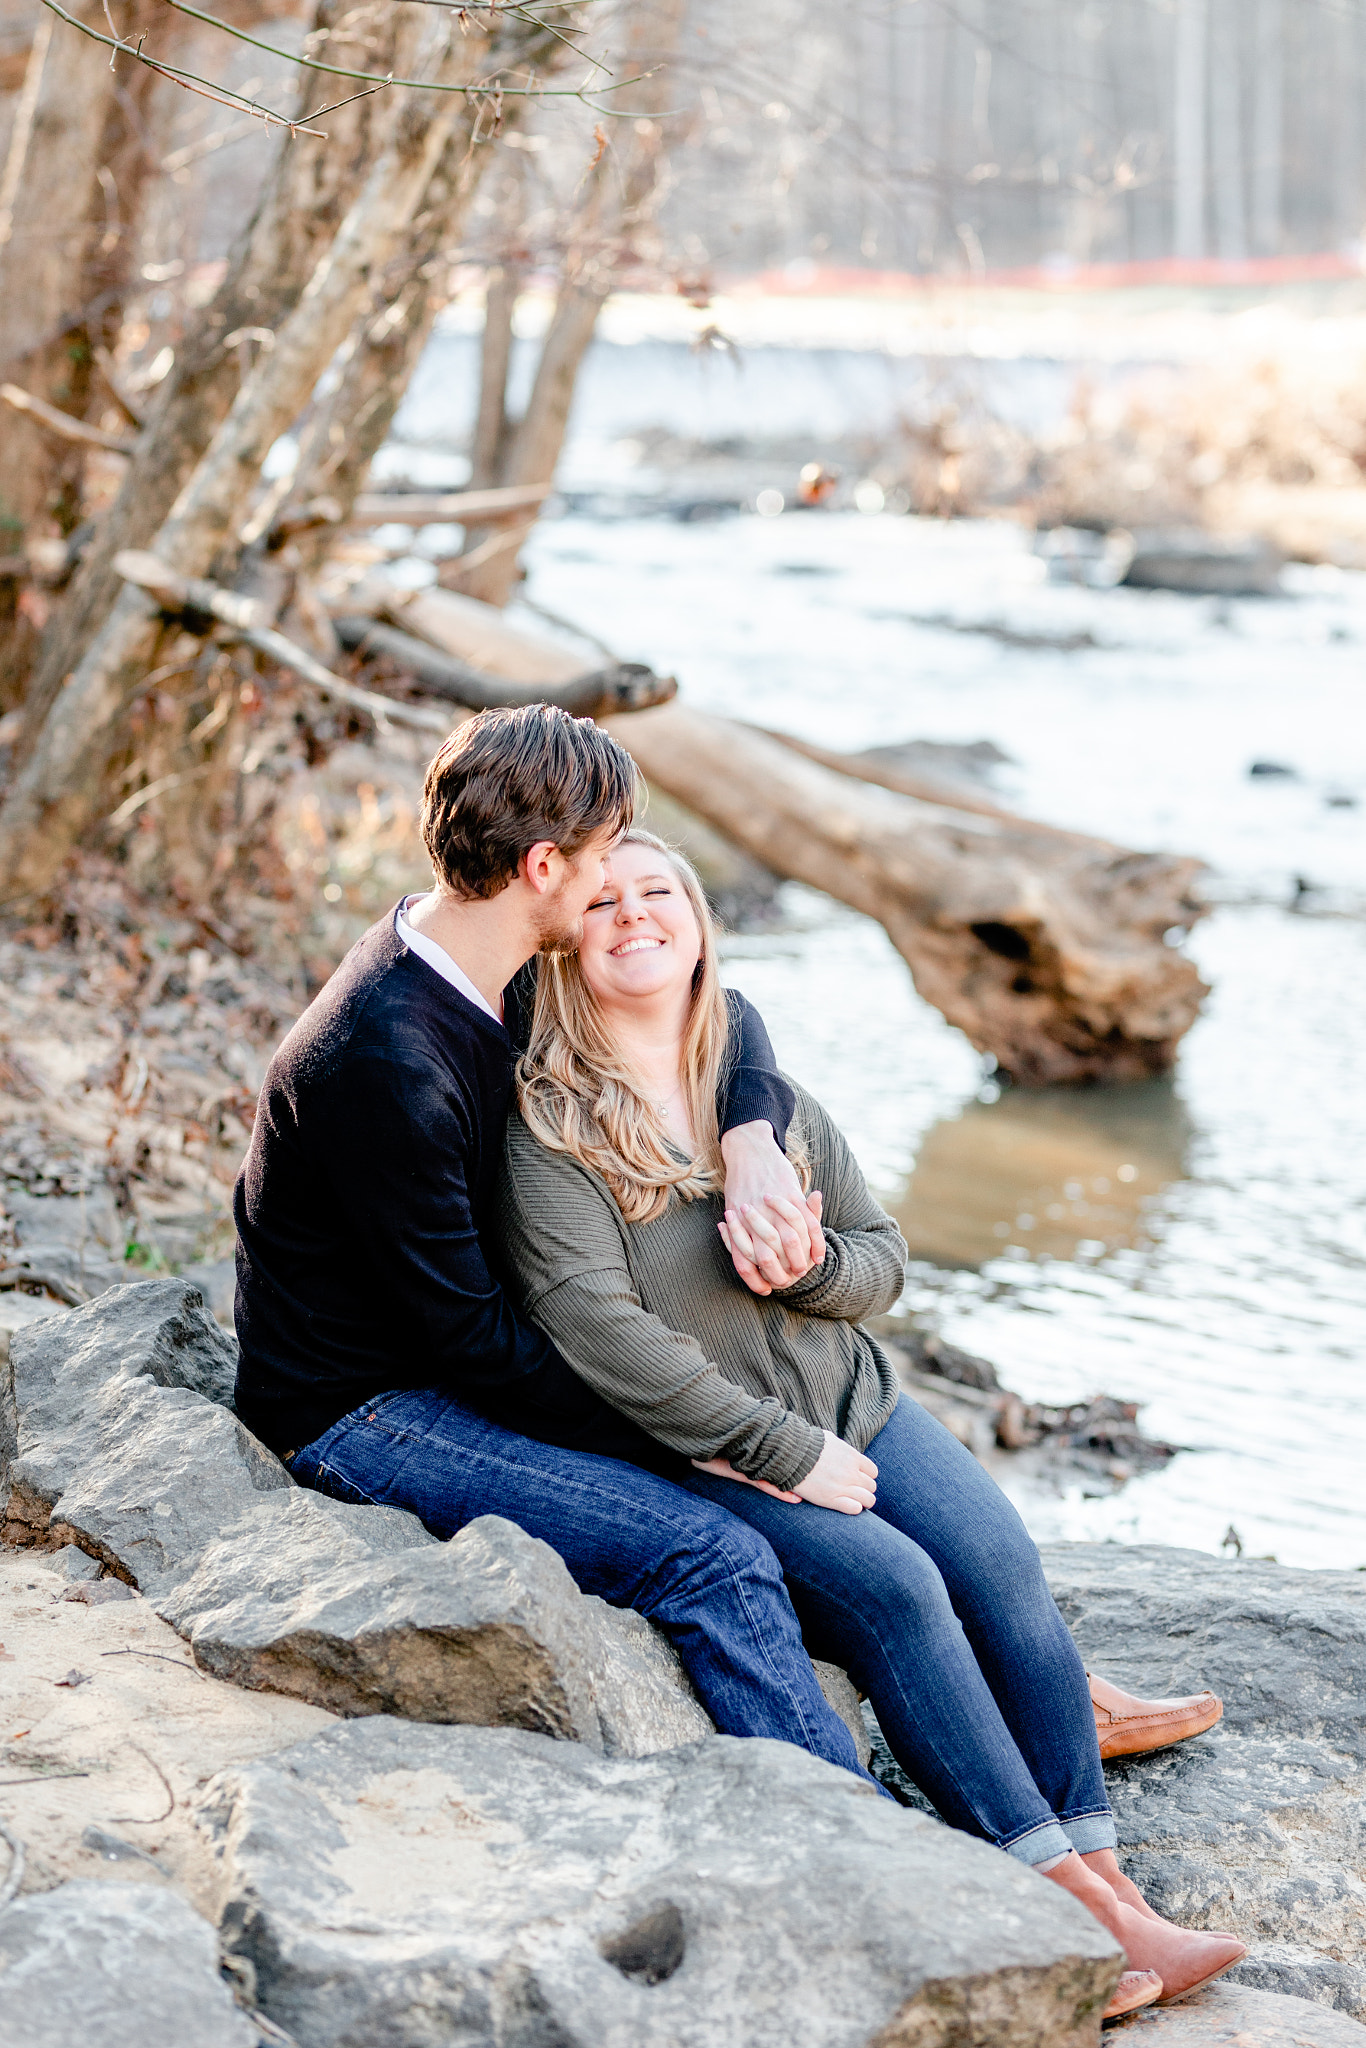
[
  {"x": 1089, "y": 1831},
  {"x": 1040, "y": 1845}
]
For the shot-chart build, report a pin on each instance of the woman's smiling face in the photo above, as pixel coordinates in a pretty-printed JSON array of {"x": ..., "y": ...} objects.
[{"x": 640, "y": 936}]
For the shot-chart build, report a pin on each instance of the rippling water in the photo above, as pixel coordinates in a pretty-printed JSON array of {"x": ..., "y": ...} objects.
[{"x": 1198, "y": 1245}]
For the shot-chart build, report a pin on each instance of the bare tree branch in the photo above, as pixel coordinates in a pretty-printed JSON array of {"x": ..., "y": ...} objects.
[{"x": 62, "y": 423}]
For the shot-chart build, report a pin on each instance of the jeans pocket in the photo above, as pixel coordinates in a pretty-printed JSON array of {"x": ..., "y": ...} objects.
[
  {"x": 321, "y": 1464},
  {"x": 340, "y": 1486}
]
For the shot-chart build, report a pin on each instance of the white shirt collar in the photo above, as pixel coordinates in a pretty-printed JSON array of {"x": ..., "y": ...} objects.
[{"x": 439, "y": 959}]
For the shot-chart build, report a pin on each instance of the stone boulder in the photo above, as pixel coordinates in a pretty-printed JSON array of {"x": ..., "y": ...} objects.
[
  {"x": 1229, "y": 2015},
  {"x": 115, "y": 1965},
  {"x": 385, "y": 1882},
  {"x": 116, "y": 1435},
  {"x": 1256, "y": 1826}
]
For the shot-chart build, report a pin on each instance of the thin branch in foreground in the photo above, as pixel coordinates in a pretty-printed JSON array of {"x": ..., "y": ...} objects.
[
  {"x": 62, "y": 423},
  {"x": 222, "y": 95},
  {"x": 131, "y": 1820},
  {"x": 485, "y": 87},
  {"x": 161, "y": 1658}
]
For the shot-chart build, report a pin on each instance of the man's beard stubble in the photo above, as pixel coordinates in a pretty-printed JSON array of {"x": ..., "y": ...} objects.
[{"x": 556, "y": 938}]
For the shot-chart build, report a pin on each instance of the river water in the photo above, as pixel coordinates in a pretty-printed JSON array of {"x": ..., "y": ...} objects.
[{"x": 1199, "y": 1244}]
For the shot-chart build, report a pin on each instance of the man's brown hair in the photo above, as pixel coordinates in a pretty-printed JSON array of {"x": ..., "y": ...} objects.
[{"x": 506, "y": 779}]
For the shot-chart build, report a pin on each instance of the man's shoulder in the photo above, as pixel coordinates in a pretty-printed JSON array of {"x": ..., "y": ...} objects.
[{"x": 380, "y": 1004}]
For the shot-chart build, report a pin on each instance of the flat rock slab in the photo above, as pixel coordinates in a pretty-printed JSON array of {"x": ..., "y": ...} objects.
[
  {"x": 116, "y": 1435},
  {"x": 1257, "y": 1826},
  {"x": 1235, "y": 2016},
  {"x": 115, "y": 1966},
  {"x": 388, "y": 1882}
]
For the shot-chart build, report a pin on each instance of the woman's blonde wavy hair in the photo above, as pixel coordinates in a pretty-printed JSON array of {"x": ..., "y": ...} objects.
[{"x": 578, "y": 1095}]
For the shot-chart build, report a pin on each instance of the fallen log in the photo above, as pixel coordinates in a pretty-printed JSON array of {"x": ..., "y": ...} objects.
[
  {"x": 1047, "y": 949},
  {"x": 622, "y": 686},
  {"x": 446, "y": 508},
  {"x": 186, "y": 596},
  {"x": 472, "y": 631}
]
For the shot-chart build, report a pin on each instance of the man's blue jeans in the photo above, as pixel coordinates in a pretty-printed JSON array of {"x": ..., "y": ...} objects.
[
  {"x": 937, "y": 1607},
  {"x": 709, "y": 1580}
]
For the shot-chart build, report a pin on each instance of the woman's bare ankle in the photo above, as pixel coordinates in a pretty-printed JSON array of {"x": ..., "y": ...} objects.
[{"x": 1105, "y": 1864}]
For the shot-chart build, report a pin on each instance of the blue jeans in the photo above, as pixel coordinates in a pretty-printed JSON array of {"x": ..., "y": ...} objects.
[
  {"x": 937, "y": 1607},
  {"x": 710, "y": 1582}
]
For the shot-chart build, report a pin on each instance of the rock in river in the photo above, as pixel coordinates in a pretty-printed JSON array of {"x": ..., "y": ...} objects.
[{"x": 393, "y": 1883}]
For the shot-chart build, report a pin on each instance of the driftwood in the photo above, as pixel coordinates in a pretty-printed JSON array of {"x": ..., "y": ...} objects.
[
  {"x": 623, "y": 686},
  {"x": 472, "y": 631},
  {"x": 1048, "y": 950},
  {"x": 446, "y": 508}
]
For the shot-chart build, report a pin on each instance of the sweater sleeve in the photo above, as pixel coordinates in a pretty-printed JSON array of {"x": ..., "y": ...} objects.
[
  {"x": 562, "y": 1238},
  {"x": 754, "y": 1091},
  {"x": 864, "y": 1269}
]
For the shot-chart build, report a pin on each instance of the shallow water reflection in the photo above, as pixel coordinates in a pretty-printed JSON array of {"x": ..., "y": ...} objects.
[{"x": 1059, "y": 1173}]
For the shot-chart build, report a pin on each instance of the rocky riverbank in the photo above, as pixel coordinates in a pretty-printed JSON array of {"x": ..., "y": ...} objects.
[{"x": 431, "y": 1792}]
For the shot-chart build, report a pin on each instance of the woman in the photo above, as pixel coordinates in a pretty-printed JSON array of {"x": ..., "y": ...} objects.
[{"x": 786, "y": 1411}]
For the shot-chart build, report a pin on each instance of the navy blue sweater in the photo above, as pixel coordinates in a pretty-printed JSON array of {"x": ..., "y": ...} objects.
[{"x": 363, "y": 1261}]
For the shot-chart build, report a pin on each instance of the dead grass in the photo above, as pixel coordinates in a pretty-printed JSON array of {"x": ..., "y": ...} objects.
[{"x": 135, "y": 1034}]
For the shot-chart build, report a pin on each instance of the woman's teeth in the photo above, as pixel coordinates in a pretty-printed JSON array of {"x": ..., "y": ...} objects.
[{"x": 635, "y": 946}]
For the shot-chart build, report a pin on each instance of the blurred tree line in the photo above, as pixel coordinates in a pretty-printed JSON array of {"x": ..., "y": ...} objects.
[{"x": 951, "y": 134}]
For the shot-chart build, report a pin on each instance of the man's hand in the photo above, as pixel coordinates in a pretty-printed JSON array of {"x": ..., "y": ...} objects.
[
  {"x": 771, "y": 1230},
  {"x": 723, "y": 1469},
  {"x": 841, "y": 1478}
]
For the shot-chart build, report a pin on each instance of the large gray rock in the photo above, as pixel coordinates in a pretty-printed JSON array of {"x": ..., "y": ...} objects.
[
  {"x": 1259, "y": 1826},
  {"x": 121, "y": 1441},
  {"x": 117, "y": 1966},
  {"x": 1230, "y": 2015},
  {"x": 416, "y": 1885}
]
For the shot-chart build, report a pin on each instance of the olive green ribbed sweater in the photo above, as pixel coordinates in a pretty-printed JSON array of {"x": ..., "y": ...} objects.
[{"x": 653, "y": 1315}]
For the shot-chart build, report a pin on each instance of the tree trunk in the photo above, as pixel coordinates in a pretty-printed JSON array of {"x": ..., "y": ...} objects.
[
  {"x": 63, "y": 254},
  {"x": 1188, "y": 126},
  {"x": 1046, "y": 949},
  {"x": 1267, "y": 119},
  {"x": 309, "y": 191},
  {"x": 82, "y": 160},
  {"x": 1226, "y": 127},
  {"x": 56, "y": 795},
  {"x": 619, "y": 189},
  {"x": 489, "y": 447}
]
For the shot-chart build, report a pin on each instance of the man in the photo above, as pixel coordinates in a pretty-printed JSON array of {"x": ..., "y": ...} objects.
[{"x": 380, "y": 1356}]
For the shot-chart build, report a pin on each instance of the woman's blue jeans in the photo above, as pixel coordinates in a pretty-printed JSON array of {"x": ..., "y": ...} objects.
[
  {"x": 937, "y": 1607},
  {"x": 709, "y": 1581}
]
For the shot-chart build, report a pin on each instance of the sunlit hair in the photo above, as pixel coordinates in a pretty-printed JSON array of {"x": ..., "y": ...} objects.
[{"x": 578, "y": 1095}]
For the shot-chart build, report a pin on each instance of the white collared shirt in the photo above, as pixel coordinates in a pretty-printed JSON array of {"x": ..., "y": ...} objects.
[{"x": 440, "y": 960}]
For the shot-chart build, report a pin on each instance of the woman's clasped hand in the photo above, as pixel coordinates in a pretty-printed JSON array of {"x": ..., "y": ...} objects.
[{"x": 841, "y": 1478}]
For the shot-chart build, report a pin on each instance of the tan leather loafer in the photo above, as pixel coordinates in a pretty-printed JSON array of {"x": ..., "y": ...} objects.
[{"x": 1131, "y": 1727}]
